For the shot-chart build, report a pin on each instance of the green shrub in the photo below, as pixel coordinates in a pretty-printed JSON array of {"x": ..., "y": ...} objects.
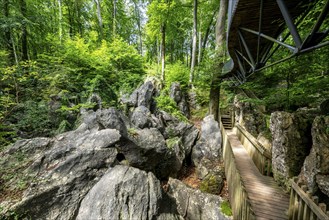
[
  {"x": 177, "y": 72},
  {"x": 165, "y": 103}
]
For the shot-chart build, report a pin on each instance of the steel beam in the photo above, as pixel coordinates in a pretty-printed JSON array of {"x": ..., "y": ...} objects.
[
  {"x": 240, "y": 63},
  {"x": 316, "y": 28},
  {"x": 244, "y": 43},
  {"x": 259, "y": 27},
  {"x": 269, "y": 38},
  {"x": 290, "y": 23},
  {"x": 241, "y": 55}
]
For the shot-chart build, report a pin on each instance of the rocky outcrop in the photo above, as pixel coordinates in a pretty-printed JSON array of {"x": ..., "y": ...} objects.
[
  {"x": 249, "y": 116},
  {"x": 291, "y": 133},
  {"x": 143, "y": 96},
  {"x": 193, "y": 204},
  {"x": 58, "y": 172},
  {"x": 144, "y": 149},
  {"x": 180, "y": 98},
  {"x": 122, "y": 193},
  {"x": 209, "y": 144},
  {"x": 315, "y": 170}
]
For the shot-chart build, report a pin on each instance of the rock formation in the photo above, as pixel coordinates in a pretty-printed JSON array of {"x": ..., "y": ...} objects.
[
  {"x": 249, "y": 116},
  {"x": 193, "y": 204},
  {"x": 110, "y": 166},
  {"x": 315, "y": 171},
  {"x": 122, "y": 193},
  {"x": 180, "y": 98},
  {"x": 291, "y": 134}
]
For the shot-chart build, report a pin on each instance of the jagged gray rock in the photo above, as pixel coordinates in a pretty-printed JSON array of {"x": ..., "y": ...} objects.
[
  {"x": 249, "y": 116},
  {"x": 143, "y": 96},
  {"x": 144, "y": 149},
  {"x": 60, "y": 170},
  {"x": 142, "y": 118},
  {"x": 315, "y": 170},
  {"x": 209, "y": 144},
  {"x": 122, "y": 193},
  {"x": 291, "y": 133},
  {"x": 180, "y": 98},
  {"x": 111, "y": 118},
  {"x": 193, "y": 204}
]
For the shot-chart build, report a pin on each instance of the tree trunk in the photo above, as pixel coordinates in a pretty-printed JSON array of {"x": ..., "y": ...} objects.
[
  {"x": 138, "y": 16},
  {"x": 220, "y": 49},
  {"x": 8, "y": 43},
  {"x": 163, "y": 53},
  {"x": 99, "y": 18},
  {"x": 114, "y": 17},
  {"x": 60, "y": 15},
  {"x": 205, "y": 39},
  {"x": 194, "y": 40},
  {"x": 24, "y": 31}
]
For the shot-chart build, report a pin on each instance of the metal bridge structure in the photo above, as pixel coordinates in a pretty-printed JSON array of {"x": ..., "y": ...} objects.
[{"x": 258, "y": 29}]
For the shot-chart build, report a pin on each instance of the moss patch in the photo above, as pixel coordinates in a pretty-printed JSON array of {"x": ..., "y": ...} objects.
[
  {"x": 226, "y": 208},
  {"x": 212, "y": 184}
]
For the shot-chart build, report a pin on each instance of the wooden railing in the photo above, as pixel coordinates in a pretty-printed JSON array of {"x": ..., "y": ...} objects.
[
  {"x": 304, "y": 206},
  {"x": 259, "y": 154},
  {"x": 239, "y": 200}
]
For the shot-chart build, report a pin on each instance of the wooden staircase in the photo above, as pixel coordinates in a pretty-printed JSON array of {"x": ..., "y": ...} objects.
[{"x": 227, "y": 117}]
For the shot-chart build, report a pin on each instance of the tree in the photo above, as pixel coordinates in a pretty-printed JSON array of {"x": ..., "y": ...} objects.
[
  {"x": 194, "y": 39},
  {"x": 220, "y": 50}
]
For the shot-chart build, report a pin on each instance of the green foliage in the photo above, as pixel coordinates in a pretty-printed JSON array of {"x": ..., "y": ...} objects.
[
  {"x": 211, "y": 184},
  {"x": 226, "y": 208},
  {"x": 177, "y": 72},
  {"x": 32, "y": 119},
  {"x": 165, "y": 103}
]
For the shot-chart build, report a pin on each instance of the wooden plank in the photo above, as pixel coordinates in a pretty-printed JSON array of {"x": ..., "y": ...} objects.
[{"x": 267, "y": 199}]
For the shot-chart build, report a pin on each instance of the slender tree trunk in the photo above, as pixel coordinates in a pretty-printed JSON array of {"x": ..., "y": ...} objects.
[
  {"x": 60, "y": 16},
  {"x": 200, "y": 46},
  {"x": 114, "y": 17},
  {"x": 138, "y": 15},
  {"x": 206, "y": 36},
  {"x": 8, "y": 43},
  {"x": 14, "y": 48},
  {"x": 163, "y": 53},
  {"x": 220, "y": 48},
  {"x": 99, "y": 18},
  {"x": 194, "y": 40},
  {"x": 24, "y": 31}
]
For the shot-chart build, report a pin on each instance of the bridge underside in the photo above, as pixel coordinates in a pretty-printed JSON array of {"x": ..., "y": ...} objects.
[{"x": 258, "y": 28}]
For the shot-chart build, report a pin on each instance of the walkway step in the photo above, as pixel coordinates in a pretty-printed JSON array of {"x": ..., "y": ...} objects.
[{"x": 268, "y": 200}]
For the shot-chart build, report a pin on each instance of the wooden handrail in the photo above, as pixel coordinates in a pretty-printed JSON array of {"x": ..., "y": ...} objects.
[
  {"x": 261, "y": 157},
  {"x": 254, "y": 142},
  {"x": 303, "y": 205},
  {"x": 240, "y": 202}
]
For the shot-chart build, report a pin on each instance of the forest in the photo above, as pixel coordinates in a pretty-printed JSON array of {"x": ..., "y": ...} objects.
[{"x": 54, "y": 54}]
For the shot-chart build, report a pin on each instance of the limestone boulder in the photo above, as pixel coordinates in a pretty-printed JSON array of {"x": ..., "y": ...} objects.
[
  {"x": 143, "y": 96},
  {"x": 249, "y": 116},
  {"x": 53, "y": 175},
  {"x": 292, "y": 141},
  {"x": 209, "y": 144},
  {"x": 180, "y": 98},
  {"x": 194, "y": 204},
  {"x": 315, "y": 170},
  {"x": 143, "y": 148},
  {"x": 122, "y": 193}
]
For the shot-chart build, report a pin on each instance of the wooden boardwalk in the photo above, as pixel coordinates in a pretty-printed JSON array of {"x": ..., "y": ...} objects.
[{"x": 268, "y": 200}]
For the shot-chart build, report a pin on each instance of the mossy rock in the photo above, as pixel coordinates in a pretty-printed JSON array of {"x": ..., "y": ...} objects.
[{"x": 212, "y": 184}]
